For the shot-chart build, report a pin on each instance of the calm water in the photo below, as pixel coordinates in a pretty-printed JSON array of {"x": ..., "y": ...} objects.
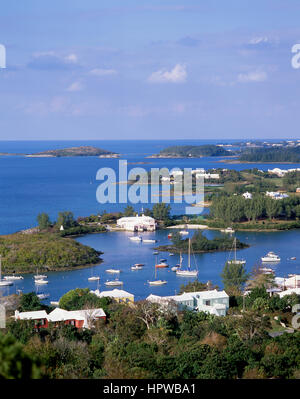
[
  {"x": 122, "y": 253},
  {"x": 32, "y": 185}
]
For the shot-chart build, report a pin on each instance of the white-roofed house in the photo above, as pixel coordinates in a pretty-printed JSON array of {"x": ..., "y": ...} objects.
[
  {"x": 290, "y": 291},
  {"x": 117, "y": 295},
  {"x": 78, "y": 318},
  {"x": 39, "y": 317},
  {"x": 213, "y": 301}
]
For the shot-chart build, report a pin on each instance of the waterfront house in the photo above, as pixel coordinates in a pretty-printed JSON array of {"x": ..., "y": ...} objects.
[
  {"x": 137, "y": 223},
  {"x": 290, "y": 291},
  {"x": 213, "y": 301},
  {"x": 117, "y": 295},
  {"x": 293, "y": 281},
  {"x": 39, "y": 317}
]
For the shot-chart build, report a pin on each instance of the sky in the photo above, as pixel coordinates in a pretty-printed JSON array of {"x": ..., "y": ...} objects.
[{"x": 155, "y": 69}]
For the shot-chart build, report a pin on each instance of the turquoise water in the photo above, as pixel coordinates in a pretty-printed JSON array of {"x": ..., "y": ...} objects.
[{"x": 32, "y": 185}]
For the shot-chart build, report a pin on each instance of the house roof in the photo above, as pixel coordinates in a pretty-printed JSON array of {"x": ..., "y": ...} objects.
[
  {"x": 38, "y": 314},
  {"x": 115, "y": 293}
]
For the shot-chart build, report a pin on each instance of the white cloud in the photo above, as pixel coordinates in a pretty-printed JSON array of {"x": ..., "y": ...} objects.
[
  {"x": 258, "y": 40},
  {"x": 176, "y": 75},
  {"x": 256, "y": 76},
  {"x": 71, "y": 58},
  {"x": 75, "y": 86},
  {"x": 103, "y": 72}
]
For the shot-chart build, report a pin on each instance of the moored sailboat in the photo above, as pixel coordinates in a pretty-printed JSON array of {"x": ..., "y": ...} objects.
[{"x": 188, "y": 272}]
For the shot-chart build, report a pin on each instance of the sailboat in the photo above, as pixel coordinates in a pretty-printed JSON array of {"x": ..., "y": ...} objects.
[
  {"x": 188, "y": 272},
  {"x": 157, "y": 282},
  {"x": 235, "y": 260},
  {"x": 178, "y": 266},
  {"x": 39, "y": 276},
  {"x": 3, "y": 283},
  {"x": 93, "y": 278}
]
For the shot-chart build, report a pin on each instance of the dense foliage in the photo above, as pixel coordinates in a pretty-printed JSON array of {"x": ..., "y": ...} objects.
[
  {"x": 271, "y": 155},
  {"x": 26, "y": 252},
  {"x": 194, "y": 151}
]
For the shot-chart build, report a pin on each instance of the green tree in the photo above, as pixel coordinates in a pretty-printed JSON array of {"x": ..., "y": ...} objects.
[
  {"x": 161, "y": 211},
  {"x": 129, "y": 211},
  {"x": 66, "y": 219},
  {"x": 14, "y": 362},
  {"x": 43, "y": 221},
  {"x": 30, "y": 302},
  {"x": 82, "y": 298},
  {"x": 234, "y": 276}
]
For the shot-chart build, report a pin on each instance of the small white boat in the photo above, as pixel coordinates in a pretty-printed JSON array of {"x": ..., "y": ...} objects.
[
  {"x": 54, "y": 303},
  {"x": 184, "y": 232},
  {"x": 157, "y": 282},
  {"x": 114, "y": 283},
  {"x": 266, "y": 270},
  {"x": 293, "y": 258},
  {"x": 270, "y": 257},
  {"x": 135, "y": 238},
  {"x": 139, "y": 264},
  {"x": 149, "y": 241},
  {"x": 43, "y": 296},
  {"x": 228, "y": 230},
  {"x": 94, "y": 278},
  {"x": 175, "y": 268},
  {"x": 171, "y": 254},
  {"x": 12, "y": 278},
  {"x": 113, "y": 271},
  {"x": 187, "y": 272},
  {"x": 3, "y": 283},
  {"x": 40, "y": 282},
  {"x": 155, "y": 253},
  {"x": 136, "y": 267}
]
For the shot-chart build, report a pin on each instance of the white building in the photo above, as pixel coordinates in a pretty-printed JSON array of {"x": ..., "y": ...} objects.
[
  {"x": 213, "y": 302},
  {"x": 290, "y": 291},
  {"x": 276, "y": 195},
  {"x": 137, "y": 223},
  {"x": 293, "y": 281},
  {"x": 247, "y": 195},
  {"x": 116, "y": 294}
]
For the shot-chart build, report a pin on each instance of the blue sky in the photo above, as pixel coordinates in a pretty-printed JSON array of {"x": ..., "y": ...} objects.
[{"x": 135, "y": 69}]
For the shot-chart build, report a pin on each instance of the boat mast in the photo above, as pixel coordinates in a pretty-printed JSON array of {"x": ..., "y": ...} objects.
[
  {"x": 0, "y": 267},
  {"x": 189, "y": 264},
  {"x": 235, "y": 249}
]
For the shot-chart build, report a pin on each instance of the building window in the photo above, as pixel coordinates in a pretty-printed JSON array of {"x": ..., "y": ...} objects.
[{"x": 207, "y": 303}]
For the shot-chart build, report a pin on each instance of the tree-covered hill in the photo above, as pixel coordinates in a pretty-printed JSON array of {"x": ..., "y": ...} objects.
[
  {"x": 271, "y": 155},
  {"x": 47, "y": 251},
  {"x": 192, "y": 151}
]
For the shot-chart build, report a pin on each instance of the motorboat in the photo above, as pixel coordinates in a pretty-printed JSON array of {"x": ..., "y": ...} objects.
[
  {"x": 228, "y": 230},
  {"x": 270, "y": 257},
  {"x": 155, "y": 253},
  {"x": 40, "y": 282},
  {"x": 136, "y": 267},
  {"x": 161, "y": 265},
  {"x": 266, "y": 270},
  {"x": 114, "y": 283},
  {"x": 113, "y": 271},
  {"x": 170, "y": 236},
  {"x": 149, "y": 241},
  {"x": 135, "y": 238},
  {"x": 139, "y": 264},
  {"x": 171, "y": 254},
  {"x": 184, "y": 232},
  {"x": 293, "y": 258}
]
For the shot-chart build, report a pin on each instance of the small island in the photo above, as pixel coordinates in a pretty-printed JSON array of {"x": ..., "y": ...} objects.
[
  {"x": 192, "y": 151},
  {"x": 201, "y": 244},
  {"x": 282, "y": 154},
  {"x": 82, "y": 151}
]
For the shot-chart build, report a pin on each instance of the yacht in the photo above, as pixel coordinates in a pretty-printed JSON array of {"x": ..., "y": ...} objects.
[
  {"x": 270, "y": 257},
  {"x": 188, "y": 272}
]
